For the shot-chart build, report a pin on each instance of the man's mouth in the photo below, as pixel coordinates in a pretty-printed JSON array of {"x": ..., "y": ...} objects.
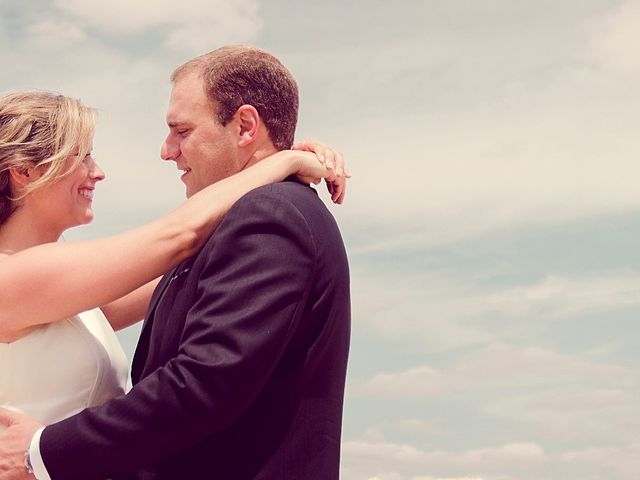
[{"x": 184, "y": 170}]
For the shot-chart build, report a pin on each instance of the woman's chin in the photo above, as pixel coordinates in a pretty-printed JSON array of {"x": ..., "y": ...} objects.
[
  {"x": 88, "y": 218},
  {"x": 85, "y": 219}
]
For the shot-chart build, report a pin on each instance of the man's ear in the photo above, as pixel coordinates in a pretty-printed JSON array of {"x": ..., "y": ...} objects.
[{"x": 249, "y": 121}]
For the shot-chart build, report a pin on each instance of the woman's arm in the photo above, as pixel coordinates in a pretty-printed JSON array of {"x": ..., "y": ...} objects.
[
  {"x": 57, "y": 280},
  {"x": 127, "y": 310},
  {"x": 131, "y": 308}
]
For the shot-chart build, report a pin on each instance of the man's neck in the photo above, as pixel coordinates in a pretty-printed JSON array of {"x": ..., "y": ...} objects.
[{"x": 260, "y": 154}]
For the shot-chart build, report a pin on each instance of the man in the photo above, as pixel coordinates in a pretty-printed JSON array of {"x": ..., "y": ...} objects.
[{"x": 240, "y": 368}]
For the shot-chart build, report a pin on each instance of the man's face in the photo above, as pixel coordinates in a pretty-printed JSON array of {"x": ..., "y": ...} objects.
[{"x": 201, "y": 147}]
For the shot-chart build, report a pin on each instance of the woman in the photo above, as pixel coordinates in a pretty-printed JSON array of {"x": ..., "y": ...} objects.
[{"x": 55, "y": 360}]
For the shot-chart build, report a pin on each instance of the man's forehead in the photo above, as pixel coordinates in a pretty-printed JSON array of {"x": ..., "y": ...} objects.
[
  {"x": 188, "y": 98},
  {"x": 186, "y": 111},
  {"x": 175, "y": 116}
]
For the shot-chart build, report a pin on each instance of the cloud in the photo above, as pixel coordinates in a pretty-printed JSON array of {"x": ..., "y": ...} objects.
[
  {"x": 485, "y": 135},
  {"x": 412, "y": 425},
  {"x": 197, "y": 27},
  {"x": 364, "y": 460},
  {"x": 55, "y": 33},
  {"x": 553, "y": 399},
  {"x": 514, "y": 164},
  {"x": 495, "y": 367},
  {"x": 438, "y": 309},
  {"x": 414, "y": 383},
  {"x": 615, "y": 38},
  {"x": 414, "y": 306},
  {"x": 557, "y": 297},
  {"x": 575, "y": 415},
  {"x": 388, "y": 460},
  {"x": 615, "y": 462}
]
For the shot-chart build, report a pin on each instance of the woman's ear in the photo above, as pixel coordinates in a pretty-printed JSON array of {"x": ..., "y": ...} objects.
[
  {"x": 249, "y": 123},
  {"x": 21, "y": 176}
]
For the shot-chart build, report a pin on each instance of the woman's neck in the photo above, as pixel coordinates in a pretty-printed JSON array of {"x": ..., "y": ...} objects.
[{"x": 22, "y": 230}]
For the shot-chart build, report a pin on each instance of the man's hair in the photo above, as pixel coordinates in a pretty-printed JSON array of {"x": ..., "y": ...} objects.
[{"x": 241, "y": 75}]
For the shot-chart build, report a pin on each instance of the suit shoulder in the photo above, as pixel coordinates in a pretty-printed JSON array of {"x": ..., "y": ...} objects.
[
  {"x": 284, "y": 202},
  {"x": 286, "y": 190},
  {"x": 288, "y": 195},
  {"x": 277, "y": 208}
]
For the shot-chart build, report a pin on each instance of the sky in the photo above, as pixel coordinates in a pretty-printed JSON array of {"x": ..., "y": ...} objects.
[{"x": 491, "y": 222}]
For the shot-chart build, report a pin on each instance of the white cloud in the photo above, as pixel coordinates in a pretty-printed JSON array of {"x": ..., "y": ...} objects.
[
  {"x": 441, "y": 310},
  {"x": 530, "y": 160},
  {"x": 619, "y": 462},
  {"x": 449, "y": 478},
  {"x": 366, "y": 460},
  {"x": 556, "y": 296},
  {"x": 412, "y": 425},
  {"x": 486, "y": 134},
  {"x": 551, "y": 398},
  {"x": 196, "y": 27},
  {"x": 499, "y": 367},
  {"x": 419, "y": 306},
  {"x": 415, "y": 383},
  {"x": 55, "y": 34},
  {"x": 616, "y": 39},
  {"x": 577, "y": 415}
]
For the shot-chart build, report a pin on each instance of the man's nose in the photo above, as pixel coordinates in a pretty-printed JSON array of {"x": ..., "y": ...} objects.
[{"x": 169, "y": 150}]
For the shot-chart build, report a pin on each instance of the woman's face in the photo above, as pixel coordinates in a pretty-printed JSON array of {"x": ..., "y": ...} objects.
[{"x": 68, "y": 202}]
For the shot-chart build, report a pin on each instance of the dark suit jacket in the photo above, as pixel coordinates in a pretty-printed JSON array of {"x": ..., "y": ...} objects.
[{"x": 240, "y": 369}]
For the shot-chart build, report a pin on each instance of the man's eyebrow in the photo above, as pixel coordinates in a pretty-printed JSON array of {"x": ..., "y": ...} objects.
[{"x": 175, "y": 123}]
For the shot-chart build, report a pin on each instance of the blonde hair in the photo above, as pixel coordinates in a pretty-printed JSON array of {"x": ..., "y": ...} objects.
[{"x": 40, "y": 129}]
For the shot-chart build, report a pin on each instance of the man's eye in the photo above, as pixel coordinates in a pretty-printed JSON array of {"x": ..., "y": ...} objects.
[{"x": 183, "y": 132}]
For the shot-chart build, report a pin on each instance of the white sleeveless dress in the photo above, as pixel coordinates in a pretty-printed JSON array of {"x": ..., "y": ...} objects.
[{"x": 62, "y": 368}]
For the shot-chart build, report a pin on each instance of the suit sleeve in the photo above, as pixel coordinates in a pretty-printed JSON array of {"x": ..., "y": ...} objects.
[{"x": 250, "y": 297}]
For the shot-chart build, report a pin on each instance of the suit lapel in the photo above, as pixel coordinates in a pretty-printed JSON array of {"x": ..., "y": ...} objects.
[
  {"x": 158, "y": 293},
  {"x": 142, "y": 348}
]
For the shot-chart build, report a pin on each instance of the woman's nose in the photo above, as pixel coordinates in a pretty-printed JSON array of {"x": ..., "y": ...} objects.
[{"x": 97, "y": 173}]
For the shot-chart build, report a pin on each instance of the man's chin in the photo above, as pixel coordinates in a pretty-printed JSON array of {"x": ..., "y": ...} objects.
[{"x": 190, "y": 190}]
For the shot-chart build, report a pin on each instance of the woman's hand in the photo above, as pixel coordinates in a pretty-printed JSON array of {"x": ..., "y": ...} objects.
[{"x": 330, "y": 167}]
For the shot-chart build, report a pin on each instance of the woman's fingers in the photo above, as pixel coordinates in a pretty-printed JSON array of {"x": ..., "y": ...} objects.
[
  {"x": 339, "y": 193},
  {"x": 339, "y": 163},
  {"x": 325, "y": 155},
  {"x": 333, "y": 161}
]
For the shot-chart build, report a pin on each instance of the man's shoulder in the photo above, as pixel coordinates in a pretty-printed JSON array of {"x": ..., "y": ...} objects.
[
  {"x": 283, "y": 201},
  {"x": 286, "y": 189},
  {"x": 287, "y": 194},
  {"x": 286, "y": 205},
  {"x": 289, "y": 207}
]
